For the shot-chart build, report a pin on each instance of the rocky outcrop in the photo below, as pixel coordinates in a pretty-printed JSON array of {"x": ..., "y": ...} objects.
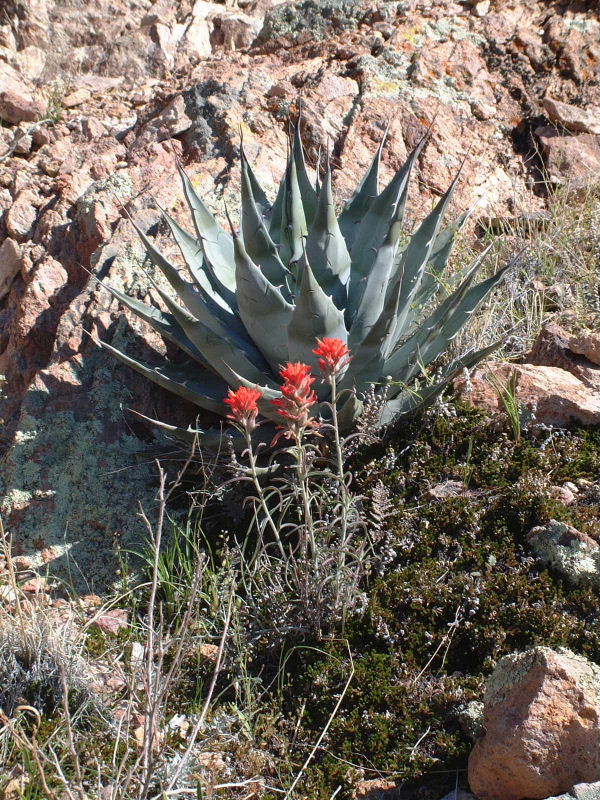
[
  {"x": 106, "y": 96},
  {"x": 541, "y": 717}
]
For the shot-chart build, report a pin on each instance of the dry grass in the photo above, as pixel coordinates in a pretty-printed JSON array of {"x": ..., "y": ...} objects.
[{"x": 556, "y": 272}]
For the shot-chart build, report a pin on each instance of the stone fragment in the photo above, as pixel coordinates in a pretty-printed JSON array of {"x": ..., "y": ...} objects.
[
  {"x": 19, "y": 106},
  {"x": 31, "y": 61},
  {"x": 446, "y": 489},
  {"x": 172, "y": 120},
  {"x": 481, "y": 9},
  {"x": 581, "y": 120},
  {"x": 76, "y": 98},
  {"x": 555, "y": 347},
  {"x": 21, "y": 216},
  {"x": 541, "y": 717},
  {"x": 112, "y": 621},
  {"x": 563, "y": 494},
  {"x": 587, "y": 344},
  {"x": 565, "y": 550},
  {"x": 92, "y": 128},
  {"x": 470, "y": 719},
  {"x": 582, "y": 791},
  {"x": 553, "y": 396},
  {"x": 375, "y": 789},
  {"x": 10, "y": 264},
  {"x": 235, "y": 31},
  {"x": 571, "y": 160}
]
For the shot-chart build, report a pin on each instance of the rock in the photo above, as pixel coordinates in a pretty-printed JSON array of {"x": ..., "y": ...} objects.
[
  {"x": 307, "y": 20},
  {"x": 10, "y": 264},
  {"x": 470, "y": 719},
  {"x": 555, "y": 347},
  {"x": 541, "y": 717},
  {"x": 582, "y": 120},
  {"x": 582, "y": 791},
  {"x": 171, "y": 121},
  {"x": 19, "y": 106},
  {"x": 446, "y": 489},
  {"x": 571, "y": 160},
  {"x": 481, "y": 9},
  {"x": 235, "y": 32},
  {"x": 76, "y": 98},
  {"x": 31, "y": 61},
  {"x": 21, "y": 216},
  {"x": 587, "y": 344},
  {"x": 553, "y": 396},
  {"x": 561, "y": 547},
  {"x": 459, "y": 794},
  {"x": 376, "y": 789},
  {"x": 112, "y": 621},
  {"x": 563, "y": 494}
]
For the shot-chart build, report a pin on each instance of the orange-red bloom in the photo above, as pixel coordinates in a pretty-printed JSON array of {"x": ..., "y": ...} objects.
[
  {"x": 298, "y": 398},
  {"x": 334, "y": 355},
  {"x": 243, "y": 405}
]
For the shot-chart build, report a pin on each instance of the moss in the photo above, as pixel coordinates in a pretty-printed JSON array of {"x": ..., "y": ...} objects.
[{"x": 464, "y": 592}]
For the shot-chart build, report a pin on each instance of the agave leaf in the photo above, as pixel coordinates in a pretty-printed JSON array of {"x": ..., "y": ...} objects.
[
  {"x": 360, "y": 202},
  {"x": 259, "y": 196},
  {"x": 326, "y": 249},
  {"x": 444, "y": 241},
  {"x": 458, "y": 316},
  {"x": 208, "y": 392},
  {"x": 315, "y": 315},
  {"x": 263, "y": 309},
  {"x": 307, "y": 190},
  {"x": 223, "y": 353},
  {"x": 438, "y": 260},
  {"x": 416, "y": 257},
  {"x": 369, "y": 354},
  {"x": 409, "y": 401},
  {"x": 257, "y": 242},
  {"x": 276, "y": 217},
  {"x": 199, "y": 269},
  {"x": 400, "y": 362},
  {"x": 187, "y": 292},
  {"x": 293, "y": 221},
  {"x": 214, "y": 439},
  {"x": 373, "y": 290},
  {"x": 349, "y": 412},
  {"x": 163, "y": 323},
  {"x": 200, "y": 305},
  {"x": 216, "y": 243},
  {"x": 387, "y": 207}
]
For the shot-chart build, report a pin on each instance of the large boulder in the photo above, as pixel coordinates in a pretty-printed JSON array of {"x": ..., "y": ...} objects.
[{"x": 542, "y": 727}]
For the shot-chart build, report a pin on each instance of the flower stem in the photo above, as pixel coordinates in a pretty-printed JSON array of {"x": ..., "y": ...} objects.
[{"x": 261, "y": 494}]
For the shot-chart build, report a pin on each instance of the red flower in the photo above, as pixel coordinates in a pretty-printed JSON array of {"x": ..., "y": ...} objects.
[
  {"x": 334, "y": 355},
  {"x": 298, "y": 398},
  {"x": 243, "y": 405}
]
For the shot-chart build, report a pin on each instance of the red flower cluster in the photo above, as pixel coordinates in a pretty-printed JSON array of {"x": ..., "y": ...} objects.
[
  {"x": 333, "y": 355},
  {"x": 243, "y": 405},
  {"x": 298, "y": 398}
]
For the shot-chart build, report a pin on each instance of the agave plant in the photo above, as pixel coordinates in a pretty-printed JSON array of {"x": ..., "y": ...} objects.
[{"x": 249, "y": 301}]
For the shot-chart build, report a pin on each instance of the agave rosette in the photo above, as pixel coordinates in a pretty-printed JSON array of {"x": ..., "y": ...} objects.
[{"x": 248, "y": 302}]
